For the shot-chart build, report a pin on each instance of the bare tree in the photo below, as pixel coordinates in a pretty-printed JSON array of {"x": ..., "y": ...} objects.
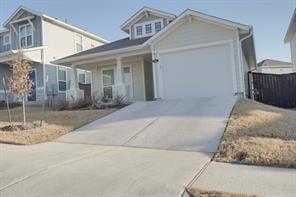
[{"x": 20, "y": 83}]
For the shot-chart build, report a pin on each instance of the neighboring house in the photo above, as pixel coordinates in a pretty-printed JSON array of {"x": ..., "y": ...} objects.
[
  {"x": 274, "y": 67},
  {"x": 291, "y": 38},
  {"x": 171, "y": 57},
  {"x": 42, "y": 40}
]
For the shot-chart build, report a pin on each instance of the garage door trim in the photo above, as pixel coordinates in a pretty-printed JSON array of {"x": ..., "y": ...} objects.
[{"x": 204, "y": 45}]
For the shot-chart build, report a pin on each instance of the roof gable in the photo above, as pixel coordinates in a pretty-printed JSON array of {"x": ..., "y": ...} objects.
[
  {"x": 19, "y": 12},
  {"x": 189, "y": 13},
  {"x": 145, "y": 11},
  {"x": 27, "y": 11},
  {"x": 291, "y": 29}
]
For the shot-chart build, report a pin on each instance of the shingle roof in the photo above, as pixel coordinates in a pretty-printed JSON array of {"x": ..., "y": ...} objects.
[
  {"x": 118, "y": 44},
  {"x": 270, "y": 62}
]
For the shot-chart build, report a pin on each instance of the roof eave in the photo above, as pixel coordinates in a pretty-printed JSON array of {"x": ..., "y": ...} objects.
[
  {"x": 288, "y": 36},
  {"x": 75, "y": 28},
  {"x": 97, "y": 55},
  {"x": 126, "y": 24}
]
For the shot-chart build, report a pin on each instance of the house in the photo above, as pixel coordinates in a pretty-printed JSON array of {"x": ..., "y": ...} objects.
[
  {"x": 43, "y": 39},
  {"x": 166, "y": 56},
  {"x": 274, "y": 67},
  {"x": 291, "y": 38}
]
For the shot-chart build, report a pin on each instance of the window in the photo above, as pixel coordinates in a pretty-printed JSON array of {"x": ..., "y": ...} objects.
[
  {"x": 25, "y": 36},
  {"x": 148, "y": 28},
  {"x": 157, "y": 26},
  {"x": 81, "y": 78},
  {"x": 139, "y": 30},
  {"x": 78, "y": 42},
  {"x": 62, "y": 79},
  {"x": 108, "y": 82},
  {"x": 6, "y": 39}
]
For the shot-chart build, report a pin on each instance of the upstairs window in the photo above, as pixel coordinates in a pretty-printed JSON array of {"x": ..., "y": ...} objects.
[
  {"x": 148, "y": 28},
  {"x": 157, "y": 26},
  {"x": 25, "y": 36},
  {"x": 139, "y": 30},
  {"x": 78, "y": 43},
  {"x": 6, "y": 39}
]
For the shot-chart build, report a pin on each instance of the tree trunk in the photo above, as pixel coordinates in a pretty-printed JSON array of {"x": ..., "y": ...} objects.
[{"x": 24, "y": 111}]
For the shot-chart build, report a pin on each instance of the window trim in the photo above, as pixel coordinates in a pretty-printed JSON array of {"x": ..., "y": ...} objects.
[
  {"x": 25, "y": 25},
  {"x": 102, "y": 80},
  {"x": 144, "y": 34},
  {"x": 136, "y": 30},
  {"x": 58, "y": 80},
  {"x": 6, "y": 43},
  {"x": 150, "y": 28},
  {"x": 81, "y": 72},
  {"x": 75, "y": 42}
]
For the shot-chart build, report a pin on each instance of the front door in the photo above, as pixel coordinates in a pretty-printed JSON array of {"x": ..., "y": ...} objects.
[
  {"x": 127, "y": 80},
  {"x": 108, "y": 83},
  {"x": 32, "y": 95}
]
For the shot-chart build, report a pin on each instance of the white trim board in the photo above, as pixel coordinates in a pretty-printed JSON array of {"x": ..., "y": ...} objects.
[{"x": 203, "y": 45}]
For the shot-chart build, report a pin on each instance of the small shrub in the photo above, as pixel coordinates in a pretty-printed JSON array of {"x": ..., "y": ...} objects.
[{"x": 81, "y": 104}]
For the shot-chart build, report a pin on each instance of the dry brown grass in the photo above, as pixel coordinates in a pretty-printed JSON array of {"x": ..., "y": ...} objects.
[
  {"x": 56, "y": 124},
  {"x": 259, "y": 134},
  {"x": 204, "y": 193}
]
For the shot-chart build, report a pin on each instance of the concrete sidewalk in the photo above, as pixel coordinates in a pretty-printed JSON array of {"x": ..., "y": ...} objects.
[
  {"x": 59, "y": 169},
  {"x": 246, "y": 179}
]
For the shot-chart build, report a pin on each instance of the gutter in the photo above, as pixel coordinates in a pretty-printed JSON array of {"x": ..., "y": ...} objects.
[{"x": 241, "y": 59}]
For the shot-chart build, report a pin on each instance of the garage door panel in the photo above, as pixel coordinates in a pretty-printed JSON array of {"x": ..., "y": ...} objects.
[{"x": 197, "y": 73}]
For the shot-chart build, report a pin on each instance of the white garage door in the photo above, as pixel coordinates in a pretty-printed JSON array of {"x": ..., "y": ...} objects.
[{"x": 202, "y": 72}]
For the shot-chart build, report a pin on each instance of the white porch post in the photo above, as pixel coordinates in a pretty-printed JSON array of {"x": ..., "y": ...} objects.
[
  {"x": 74, "y": 82},
  {"x": 120, "y": 87},
  {"x": 74, "y": 93},
  {"x": 154, "y": 72}
]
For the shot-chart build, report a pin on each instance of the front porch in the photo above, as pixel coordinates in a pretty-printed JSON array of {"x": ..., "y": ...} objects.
[
  {"x": 35, "y": 58},
  {"x": 128, "y": 76}
]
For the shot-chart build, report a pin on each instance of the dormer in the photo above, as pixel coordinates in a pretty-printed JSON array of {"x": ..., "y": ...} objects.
[{"x": 146, "y": 22}]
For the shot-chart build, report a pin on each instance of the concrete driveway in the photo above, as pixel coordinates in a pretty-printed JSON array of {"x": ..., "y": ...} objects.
[
  {"x": 145, "y": 149},
  {"x": 187, "y": 125}
]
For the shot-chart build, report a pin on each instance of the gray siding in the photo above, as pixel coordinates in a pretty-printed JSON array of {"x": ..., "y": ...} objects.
[
  {"x": 39, "y": 74},
  {"x": 5, "y": 72},
  {"x": 37, "y": 33},
  {"x": 3, "y": 47}
]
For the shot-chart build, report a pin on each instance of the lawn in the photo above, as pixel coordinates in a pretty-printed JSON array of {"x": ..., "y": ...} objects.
[
  {"x": 55, "y": 124},
  {"x": 204, "y": 193},
  {"x": 259, "y": 134}
]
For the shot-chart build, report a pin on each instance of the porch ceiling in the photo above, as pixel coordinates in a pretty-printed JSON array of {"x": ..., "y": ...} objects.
[
  {"x": 111, "y": 60},
  {"x": 9, "y": 57}
]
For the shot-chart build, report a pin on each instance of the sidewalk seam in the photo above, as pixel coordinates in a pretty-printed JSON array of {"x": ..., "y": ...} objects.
[{"x": 21, "y": 179}]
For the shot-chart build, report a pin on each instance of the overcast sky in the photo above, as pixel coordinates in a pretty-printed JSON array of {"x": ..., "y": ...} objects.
[{"x": 270, "y": 19}]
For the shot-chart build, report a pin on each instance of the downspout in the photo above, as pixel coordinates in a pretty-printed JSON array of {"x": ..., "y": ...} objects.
[{"x": 241, "y": 58}]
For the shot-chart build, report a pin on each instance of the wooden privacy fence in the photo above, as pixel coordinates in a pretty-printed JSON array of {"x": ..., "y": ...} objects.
[{"x": 274, "y": 89}]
